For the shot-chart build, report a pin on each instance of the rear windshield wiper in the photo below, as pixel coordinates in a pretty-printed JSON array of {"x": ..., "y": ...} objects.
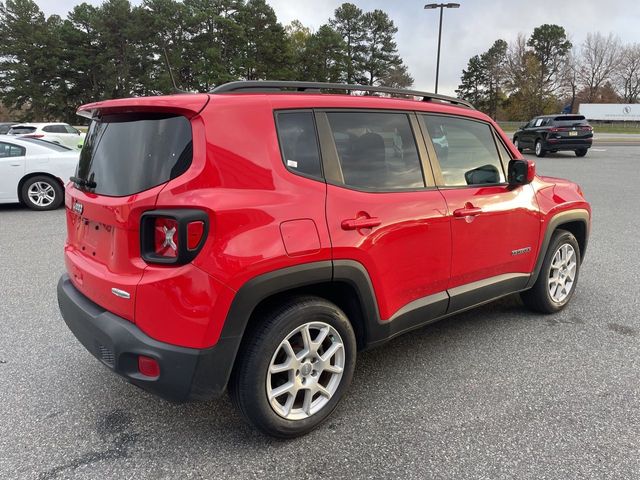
[{"x": 83, "y": 183}]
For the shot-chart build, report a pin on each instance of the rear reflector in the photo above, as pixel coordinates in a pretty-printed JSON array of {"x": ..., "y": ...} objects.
[
  {"x": 195, "y": 231},
  {"x": 148, "y": 366}
]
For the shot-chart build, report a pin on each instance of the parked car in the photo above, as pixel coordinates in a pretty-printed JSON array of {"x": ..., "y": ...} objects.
[
  {"x": 33, "y": 172},
  {"x": 555, "y": 133},
  {"x": 199, "y": 261},
  {"x": 5, "y": 127},
  {"x": 60, "y": 133}
]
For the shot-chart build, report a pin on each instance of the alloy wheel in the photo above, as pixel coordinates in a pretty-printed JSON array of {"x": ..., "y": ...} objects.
[
  {"x": 41, "y": 194},
  {"x": 305, "y": 371},
  {"x": 562, "y": 274}
]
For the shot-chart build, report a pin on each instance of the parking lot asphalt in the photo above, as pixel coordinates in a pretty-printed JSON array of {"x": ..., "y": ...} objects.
[{"x": 495, "y": 393}]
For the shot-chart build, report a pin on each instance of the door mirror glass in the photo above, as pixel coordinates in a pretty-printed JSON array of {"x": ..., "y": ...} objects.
[
  {"x": 521, "y": 172},
  {"x": 485, "y": 174}
]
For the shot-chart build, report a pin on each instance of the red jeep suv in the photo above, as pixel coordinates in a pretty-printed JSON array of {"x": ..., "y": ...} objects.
[{"x": 256, "y": 237}]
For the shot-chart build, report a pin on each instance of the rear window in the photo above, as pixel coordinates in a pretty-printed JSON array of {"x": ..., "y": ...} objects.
[
  {"x": 21, "y": 130},
  {"x": 46, "y": 144},
  {"x": 569, "y": 121},
  {"x": 127, "y": 154}
]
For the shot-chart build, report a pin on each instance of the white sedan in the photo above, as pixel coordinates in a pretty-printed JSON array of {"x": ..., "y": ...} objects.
[
  {"x": 34, "y": 172},
  {"x": 61, "y": 133}
]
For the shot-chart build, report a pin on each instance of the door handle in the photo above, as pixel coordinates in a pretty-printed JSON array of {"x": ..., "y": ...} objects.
[
  {"x": 15, "y": 164},
  {"x": 467, "y": 212},
  {"x": 360, "y": 222}
]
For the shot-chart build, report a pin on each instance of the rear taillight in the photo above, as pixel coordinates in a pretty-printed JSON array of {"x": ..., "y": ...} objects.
[
  {"x": 165, "y": 237},
  {"x": 32, "y": 136},
  {"x": 586, "y": 128},
  {"x": 172, "y": 236}
]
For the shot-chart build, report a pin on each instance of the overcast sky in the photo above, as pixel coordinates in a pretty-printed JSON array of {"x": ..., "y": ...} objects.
[{"x": 466, "y": 31}]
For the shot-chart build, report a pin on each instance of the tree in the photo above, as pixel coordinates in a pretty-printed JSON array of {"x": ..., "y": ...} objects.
[
  {"x": 380, "y": 52},
  {"x": 598, "y": 60},
  {"x": 348, "y": 21},
  {"x": 482, "y": 81},
  {"x": 29, "y": 78},
  {"x": 324, "y": 57},
  {"x": 266, "y": 53},
  {"x": 473, "y": 82},
  {"x": 550, "y": 46},
  {"x": 628, "y": 73},
  {"x": 397, "y": 77}
]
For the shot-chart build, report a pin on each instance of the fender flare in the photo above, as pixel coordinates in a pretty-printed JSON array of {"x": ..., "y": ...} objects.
[{"x": 567, "y": 216}]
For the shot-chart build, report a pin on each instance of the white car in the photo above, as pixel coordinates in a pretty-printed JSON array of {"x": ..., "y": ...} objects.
[
  {"x": 34, "y": 172},
  {"x": 61, "y": 133}
]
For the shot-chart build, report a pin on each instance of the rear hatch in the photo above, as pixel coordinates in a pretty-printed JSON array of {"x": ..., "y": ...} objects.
[
  {"x": 132, "y": 149},
  {"x": 571, "y": 127}
]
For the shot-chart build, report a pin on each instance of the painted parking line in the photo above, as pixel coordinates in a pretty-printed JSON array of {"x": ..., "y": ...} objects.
[{"x": 598, "y": 149}]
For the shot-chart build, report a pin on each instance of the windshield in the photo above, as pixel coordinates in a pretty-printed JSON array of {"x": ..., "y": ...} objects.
[{"x": 129, "y": 153}]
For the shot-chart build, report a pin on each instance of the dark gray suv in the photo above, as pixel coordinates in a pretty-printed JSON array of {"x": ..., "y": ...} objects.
[{"x": 553, "y": 133}]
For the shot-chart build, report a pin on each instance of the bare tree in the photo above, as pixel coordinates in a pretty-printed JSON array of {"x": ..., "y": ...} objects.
[
  {"x": 598, "y": 61},
  {"x": 627, "y": 77}
]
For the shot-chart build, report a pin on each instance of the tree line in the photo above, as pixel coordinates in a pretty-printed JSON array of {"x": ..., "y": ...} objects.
[
  {"x": 50, "y": 65},
  {"x": 546, "y": 73}
]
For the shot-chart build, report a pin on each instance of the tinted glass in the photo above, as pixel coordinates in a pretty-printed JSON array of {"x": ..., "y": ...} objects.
[
  {"x": 10, "y": 150},
  {"x": 466, "y": 151},
  {"x": 44, "y": 143},
  {"x": 299, "y": 143},
  {"x": 376, "y": 150},
  {"x": 4, "y": 129},
  {"x": 70, "y": 129},
  {"x": 126, "y": 154},
  {"x": 570, "y": 121},
  {"x": 21, "y": 130}
]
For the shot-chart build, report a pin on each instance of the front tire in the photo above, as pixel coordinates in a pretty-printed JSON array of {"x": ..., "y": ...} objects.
[
  {"x": 581, "y": 152},
  {"x": 42, "y": 193},
  {"x": 516, "y": 143},
  {"x": 558, "y": 276},
  {"x": 295, "y": 367},
  {"x": 540, "y": 151}
]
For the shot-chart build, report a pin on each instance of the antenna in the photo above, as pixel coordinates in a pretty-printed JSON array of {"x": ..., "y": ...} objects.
[{"x": 173, "y": 80}]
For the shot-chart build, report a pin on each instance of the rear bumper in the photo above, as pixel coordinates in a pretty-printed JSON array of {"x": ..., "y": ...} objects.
[
  {"x": 185, "y": 373},
  {"x": 568, "y": 143}
]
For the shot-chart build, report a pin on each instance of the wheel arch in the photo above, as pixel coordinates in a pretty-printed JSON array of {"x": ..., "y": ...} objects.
[
  {"x": 575, "y": 221},
  {"x": 343, "y": 282},
  {"x": 30, "y": 175}
]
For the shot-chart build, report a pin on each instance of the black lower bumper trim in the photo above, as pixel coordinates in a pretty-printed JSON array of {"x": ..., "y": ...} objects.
[{"x": 185, "y": 373}]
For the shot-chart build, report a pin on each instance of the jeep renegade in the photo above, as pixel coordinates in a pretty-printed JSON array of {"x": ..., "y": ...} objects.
[{"x": 256, "y": 237}]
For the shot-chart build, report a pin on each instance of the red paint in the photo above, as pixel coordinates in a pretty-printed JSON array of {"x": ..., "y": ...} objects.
[{"x": 263, "y": 218}]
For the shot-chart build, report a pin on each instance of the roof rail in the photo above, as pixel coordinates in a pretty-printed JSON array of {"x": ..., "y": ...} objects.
[{"x": 283, "y": 86}]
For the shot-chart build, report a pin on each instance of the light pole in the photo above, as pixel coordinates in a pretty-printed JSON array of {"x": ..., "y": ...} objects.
[{"x": 441, "y": 6}]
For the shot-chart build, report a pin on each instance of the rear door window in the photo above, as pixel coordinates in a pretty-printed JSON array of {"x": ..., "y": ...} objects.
[
  {"x": 299, "y": 142},
  {"x": 376, "y": 150},
  {"x": 466, "y": 151},
  {"x": 11, "y": 150},
  {"x": 129, "y": 153}
]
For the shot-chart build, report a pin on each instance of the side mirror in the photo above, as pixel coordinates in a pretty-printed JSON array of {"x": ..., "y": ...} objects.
[{"x": 521, "y": 172}]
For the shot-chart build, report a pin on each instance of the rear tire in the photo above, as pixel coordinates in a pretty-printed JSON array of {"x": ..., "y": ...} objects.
[
  {"x": 540, "y": 152},
  {"x": 581, "y": 152},
  {"x": 42, "y": 192},
  {"x": 558, "y": 277},
  {"x": 276, "y": 355}
]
